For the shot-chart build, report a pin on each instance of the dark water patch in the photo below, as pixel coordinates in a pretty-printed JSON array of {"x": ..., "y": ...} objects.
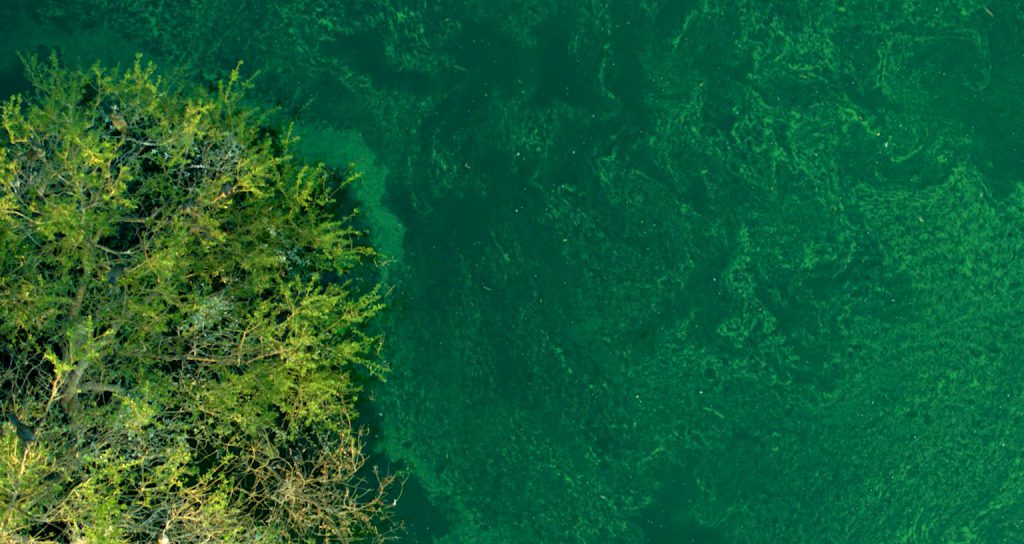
[
  {"x": 13, "y": 80},
  {"x": 365, "y": 53},
  {"x": 564, "y": 69},
  {"x": 422, "y": 520},
  {"x": 491, "y": 57},
  {"x": 668, "y": 520}
]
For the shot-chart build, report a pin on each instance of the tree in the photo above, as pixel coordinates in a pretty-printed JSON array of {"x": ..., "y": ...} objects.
[{"x": 181, "y": 335}]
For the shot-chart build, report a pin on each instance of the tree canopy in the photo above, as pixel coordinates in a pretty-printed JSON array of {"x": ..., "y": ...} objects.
[{"x": 182, "y": 336}]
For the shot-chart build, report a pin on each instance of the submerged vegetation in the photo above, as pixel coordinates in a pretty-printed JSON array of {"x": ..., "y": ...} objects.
[{"x": 181, "y": 337}]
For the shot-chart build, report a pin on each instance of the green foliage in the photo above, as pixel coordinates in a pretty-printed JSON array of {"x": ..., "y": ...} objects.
[{"x": 178, "y": 322}]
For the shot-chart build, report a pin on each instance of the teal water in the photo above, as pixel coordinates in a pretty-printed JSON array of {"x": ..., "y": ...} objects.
[{"x": 662, "y": 271}]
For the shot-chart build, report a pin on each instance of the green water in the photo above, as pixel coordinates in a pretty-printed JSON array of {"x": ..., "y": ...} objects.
[{"x": 662, "y": 271}]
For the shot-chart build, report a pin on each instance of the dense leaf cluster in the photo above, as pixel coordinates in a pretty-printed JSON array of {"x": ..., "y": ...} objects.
[{"x": 180, "y": 336}]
